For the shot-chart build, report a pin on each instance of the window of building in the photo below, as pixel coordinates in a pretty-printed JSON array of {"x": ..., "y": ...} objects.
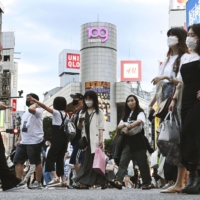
[{"x": 6, "y": 58}]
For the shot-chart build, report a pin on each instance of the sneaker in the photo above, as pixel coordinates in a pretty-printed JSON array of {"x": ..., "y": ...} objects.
[
  {"x": 54, "y": 182},
  {"x": 22, "y": 185},
  {"x": 36, "y": 185}
]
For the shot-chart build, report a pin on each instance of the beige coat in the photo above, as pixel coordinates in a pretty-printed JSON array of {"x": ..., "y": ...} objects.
[{"x": 96, "y": 124}]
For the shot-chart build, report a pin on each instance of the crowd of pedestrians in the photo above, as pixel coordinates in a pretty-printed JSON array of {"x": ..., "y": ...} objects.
[{"x": 127, "y": 165}]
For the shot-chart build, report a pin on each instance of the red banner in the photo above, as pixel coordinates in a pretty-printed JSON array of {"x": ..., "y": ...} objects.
[{"x": 14, "y": 105}]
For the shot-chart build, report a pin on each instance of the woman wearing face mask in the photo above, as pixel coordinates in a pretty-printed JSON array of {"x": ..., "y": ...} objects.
[
  {"x": 91, "y": 122},
  {"x": 166, "y": 80},
  {"x": 134, "y": 147},
  {"x": 189, "y": 76}
]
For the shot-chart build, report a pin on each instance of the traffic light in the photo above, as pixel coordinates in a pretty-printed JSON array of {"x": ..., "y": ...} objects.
[{"x": 15, "y": 131}]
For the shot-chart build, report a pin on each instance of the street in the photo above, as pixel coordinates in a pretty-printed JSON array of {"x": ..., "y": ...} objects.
[{"x": 97, "y": 194}]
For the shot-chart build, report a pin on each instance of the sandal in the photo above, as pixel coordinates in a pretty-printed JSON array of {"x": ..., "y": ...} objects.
[
  {"x": 81, "y": 186},
  {"x": 116, "y": 184},
  {"x": 146, "y": 187},
  {"x": 104, "y": 186}
]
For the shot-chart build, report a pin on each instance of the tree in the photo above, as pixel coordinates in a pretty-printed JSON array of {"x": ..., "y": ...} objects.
[
  {"x": 108, "y": 142},
  {"x": 47, "y": 127}
]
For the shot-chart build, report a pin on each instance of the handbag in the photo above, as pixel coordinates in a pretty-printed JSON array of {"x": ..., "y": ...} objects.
[
  {"x": 99, "y": 162},
  {"x": 162, "y": 110},
  {"x": 154, "y": 159},
  {"x": 110, "y": 167},
  {"x": 170, "y": 129},
  {"x": 133, "y": 131}
]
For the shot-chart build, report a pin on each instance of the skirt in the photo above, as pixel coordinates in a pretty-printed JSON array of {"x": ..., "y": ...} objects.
[{"x": 86, "y": 174}]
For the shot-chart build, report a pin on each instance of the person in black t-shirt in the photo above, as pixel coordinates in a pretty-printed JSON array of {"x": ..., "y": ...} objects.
[{"x": 77, "y": 154}]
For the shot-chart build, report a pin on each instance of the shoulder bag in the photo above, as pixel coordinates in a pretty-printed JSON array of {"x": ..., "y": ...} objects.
[
  {"x": 135, "y": 130},
  {"x": 170, "y": 129},
  {"x": 69, "y": 128}
]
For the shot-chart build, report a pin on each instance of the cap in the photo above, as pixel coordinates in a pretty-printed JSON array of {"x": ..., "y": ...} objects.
[{"x": 76, "y": 95}]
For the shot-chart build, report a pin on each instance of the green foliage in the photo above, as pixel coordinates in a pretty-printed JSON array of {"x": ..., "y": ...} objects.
[
  {"x": 108, "y": 142},
  {"x": 47, "y": 127}
]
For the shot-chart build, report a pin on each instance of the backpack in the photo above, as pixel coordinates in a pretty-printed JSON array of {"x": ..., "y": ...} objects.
[{"x": 69, "y": 127}]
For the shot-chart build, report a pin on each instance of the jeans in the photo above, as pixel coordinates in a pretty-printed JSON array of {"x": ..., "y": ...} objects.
[{"x": 47, "y": 175}]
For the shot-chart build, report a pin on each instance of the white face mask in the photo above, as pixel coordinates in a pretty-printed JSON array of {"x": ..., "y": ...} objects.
[
  {"x": 191, "y": 43},
  {"x": 171, "y": 41},
  {"x": 89, "y": 103}
]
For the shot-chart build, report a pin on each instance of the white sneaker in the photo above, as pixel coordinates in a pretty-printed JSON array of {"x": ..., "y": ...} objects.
[
  {"x": 36, "y": 185},
  {"x": 54, "y": 182}
]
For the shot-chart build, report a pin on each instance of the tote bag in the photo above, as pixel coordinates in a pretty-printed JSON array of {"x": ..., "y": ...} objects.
[{"x": 99, "y": 163}]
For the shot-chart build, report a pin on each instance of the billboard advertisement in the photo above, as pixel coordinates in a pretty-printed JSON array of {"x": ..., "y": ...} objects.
[
  {"x": 69, "y": 61},
  {"x": 131, "y": 70},
  {"x": 102, "y": 89},
  {"x": 73, "y": 61},
  {"x": 177, "y": 4},
  {"x": 192, "y": 12}
]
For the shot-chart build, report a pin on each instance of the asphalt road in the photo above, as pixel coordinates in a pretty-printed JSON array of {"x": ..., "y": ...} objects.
[{"x": 96, "y": 194}]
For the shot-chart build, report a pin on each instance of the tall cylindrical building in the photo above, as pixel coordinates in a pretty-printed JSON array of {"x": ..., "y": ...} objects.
[{"x": 99, "y": 67}]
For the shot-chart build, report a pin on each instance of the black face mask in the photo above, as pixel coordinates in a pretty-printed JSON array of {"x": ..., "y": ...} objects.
[
  {"x": 28, "y": 104},
  {"x": 75, "y": 102}
]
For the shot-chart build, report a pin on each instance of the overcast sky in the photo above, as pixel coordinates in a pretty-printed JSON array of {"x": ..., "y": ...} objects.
[{"x": 43, "y": 28}]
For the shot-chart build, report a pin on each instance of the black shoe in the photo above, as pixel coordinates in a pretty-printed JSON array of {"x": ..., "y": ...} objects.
[{"x": 193, "y": 186}]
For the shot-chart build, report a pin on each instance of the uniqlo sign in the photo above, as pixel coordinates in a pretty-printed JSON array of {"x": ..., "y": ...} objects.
[
  {"x": 131, "y": 70},
  {"x": 73, "y": 61},
  {"x": 14, "y": 105}
]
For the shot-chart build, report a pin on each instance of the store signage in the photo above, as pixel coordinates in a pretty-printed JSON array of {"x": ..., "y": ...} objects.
[
  {"x": 192, "y": 12},
  {"x": 14, "y": 105},
  {"x": 73, "y": 61},
  {"x": 96, "y": 32},
  {"x": 131, "y": 70}
]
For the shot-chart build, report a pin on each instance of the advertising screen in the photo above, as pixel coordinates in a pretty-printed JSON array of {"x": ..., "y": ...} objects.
[
  {"x": 131, "y": 70},
  {"x": 102, "y": 89},
  {"x": 192, "y": 12}
]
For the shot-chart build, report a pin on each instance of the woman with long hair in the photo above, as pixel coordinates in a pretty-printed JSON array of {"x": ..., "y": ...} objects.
[
  {"x": 59, "y": 141},
  {"x": 133, "y": 147},
  {"x": 91, "y": 122},
  {"x": 189, "y": 77},
  {"x": 166, "y": 82}
]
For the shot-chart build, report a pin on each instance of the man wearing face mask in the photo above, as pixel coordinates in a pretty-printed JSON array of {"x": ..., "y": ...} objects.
[
  {"x": 77, "y": 154},
  {"x": 30, "y": 141}
]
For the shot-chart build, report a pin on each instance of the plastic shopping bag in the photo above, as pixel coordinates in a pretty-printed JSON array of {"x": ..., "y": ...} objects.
[{"x": 99, "y": 162}]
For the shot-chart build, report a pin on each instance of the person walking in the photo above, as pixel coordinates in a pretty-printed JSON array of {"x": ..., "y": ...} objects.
[
  {"x": 59, "y": 141},
  {"x": 166, "y": 82},
  {"x": 8, "y": 180},
  {"x": 30, "y": 141},
  {"x": 134, "y": 147},
  {"x": 47, "y": 175},
  {"x": 189, "y": 78},
  {"x": 77, "y": 154},
  {"x": 91, "y": 122}
]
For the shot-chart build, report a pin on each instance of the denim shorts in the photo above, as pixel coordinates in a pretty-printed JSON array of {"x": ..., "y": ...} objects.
[{"x": 31, "y": 152}]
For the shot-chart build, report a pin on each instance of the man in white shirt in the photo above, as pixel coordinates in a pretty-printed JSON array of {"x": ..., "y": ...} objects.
[{"x": 30, "y": 140}]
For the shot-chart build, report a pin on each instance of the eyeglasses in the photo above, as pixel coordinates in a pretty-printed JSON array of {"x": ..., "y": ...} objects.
[{"x": 191, "y": 34}]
